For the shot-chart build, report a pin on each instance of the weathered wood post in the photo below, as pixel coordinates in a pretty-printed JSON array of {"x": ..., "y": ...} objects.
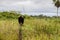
[{"x": 20, "y": 33}]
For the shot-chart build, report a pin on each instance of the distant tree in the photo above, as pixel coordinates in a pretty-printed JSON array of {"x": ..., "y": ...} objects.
[
  {"x": 26, "y": 16},
  {"x": 57, "y": 4},
  {"x": 41, "y": 16},
  {"x": 54, "y": 16},
  {"x": 9, "y": 15}
]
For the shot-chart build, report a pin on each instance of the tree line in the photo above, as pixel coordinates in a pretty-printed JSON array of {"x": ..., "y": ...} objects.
[{"x": 15, "y": 15}]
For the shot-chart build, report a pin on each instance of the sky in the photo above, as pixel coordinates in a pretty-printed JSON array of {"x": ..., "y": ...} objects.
[{"x": 30, "y": 7}]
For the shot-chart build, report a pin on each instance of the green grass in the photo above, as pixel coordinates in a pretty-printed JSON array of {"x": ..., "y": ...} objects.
[{"x": 33, "y": 29}]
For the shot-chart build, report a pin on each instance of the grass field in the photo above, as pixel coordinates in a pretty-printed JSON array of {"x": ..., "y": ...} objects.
[{"x": 33, "y": 29}]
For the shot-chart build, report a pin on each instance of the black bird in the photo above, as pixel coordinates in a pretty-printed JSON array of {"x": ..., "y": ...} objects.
[{"x": 21, "y": 20}]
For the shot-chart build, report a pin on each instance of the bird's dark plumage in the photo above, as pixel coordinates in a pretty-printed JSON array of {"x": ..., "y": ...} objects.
[{"x": 21, "y": 20}]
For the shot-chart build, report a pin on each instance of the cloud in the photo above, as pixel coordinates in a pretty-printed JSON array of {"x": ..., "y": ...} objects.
[{"x": 28, "y": 5}]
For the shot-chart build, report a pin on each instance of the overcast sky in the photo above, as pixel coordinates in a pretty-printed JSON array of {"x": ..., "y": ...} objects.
[{"x": 29, "y": 6}]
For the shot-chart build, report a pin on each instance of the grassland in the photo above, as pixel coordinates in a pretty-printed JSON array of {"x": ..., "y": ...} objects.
[{"x": 33, "y": 29}]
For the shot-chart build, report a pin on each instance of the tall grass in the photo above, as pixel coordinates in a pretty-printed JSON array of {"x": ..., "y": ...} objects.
[{"x": 33, "y": 29}]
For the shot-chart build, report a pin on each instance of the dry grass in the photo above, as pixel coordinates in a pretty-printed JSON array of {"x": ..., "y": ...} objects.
[{"x": 33, "y": 29}]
